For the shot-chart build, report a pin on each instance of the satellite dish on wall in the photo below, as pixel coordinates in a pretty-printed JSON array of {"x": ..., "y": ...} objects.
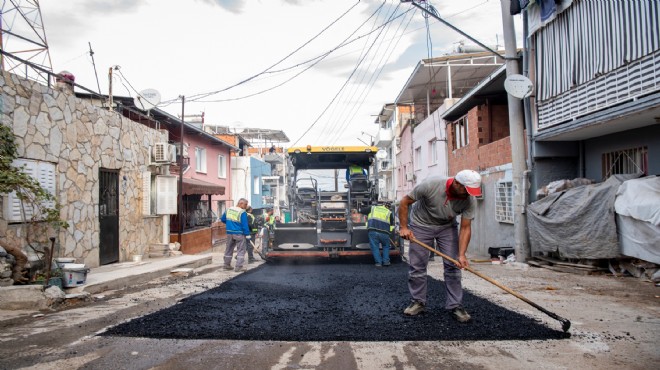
[
  {"x": 381, "y": 154},
  {"x": 147, "y": 99},
  {"x": 518, "y": 86}
]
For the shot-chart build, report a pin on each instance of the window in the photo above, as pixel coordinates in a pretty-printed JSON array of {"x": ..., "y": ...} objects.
[
  {"x": 433, "y": 152},
  {"x": 625, "y": 161},
  {"x": 460, "y": 130},
  {"x": 418, "y": 158},
  {"x": 504, "y": 202},
  {"x": 159, "y": 194},
  {"x": 44, "y": 172},
  {"x": 200, "y": 159},
  {"x": 222, "y": 167},
  {"x": 256, "y": 186}
]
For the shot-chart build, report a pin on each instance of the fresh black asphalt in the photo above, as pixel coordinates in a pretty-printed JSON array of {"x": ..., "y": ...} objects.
[{"x": 329, "y": 301}]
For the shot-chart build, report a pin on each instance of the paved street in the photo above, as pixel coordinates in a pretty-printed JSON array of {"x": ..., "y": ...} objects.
[{"x": 615, "y": 323}]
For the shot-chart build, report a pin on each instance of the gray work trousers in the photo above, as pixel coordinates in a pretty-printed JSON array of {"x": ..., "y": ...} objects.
[
  {"x": 446, "y": 238},
  {"x": 237, "y": 241}
]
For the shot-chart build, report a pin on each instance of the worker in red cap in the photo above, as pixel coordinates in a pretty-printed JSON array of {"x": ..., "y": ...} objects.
[{"x": 434, "y": 205}]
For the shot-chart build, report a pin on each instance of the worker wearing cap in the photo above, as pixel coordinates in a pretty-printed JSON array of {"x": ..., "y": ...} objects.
[
  {"x": 434, "y": 205},
  {"x": 380, "y": 224}
]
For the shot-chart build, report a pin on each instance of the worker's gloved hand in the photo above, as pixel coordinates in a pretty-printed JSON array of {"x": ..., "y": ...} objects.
[{"x": 248, "y": 237}]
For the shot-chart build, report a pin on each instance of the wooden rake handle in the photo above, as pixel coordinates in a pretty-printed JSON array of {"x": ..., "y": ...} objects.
[{"x": 565, "y": 323}]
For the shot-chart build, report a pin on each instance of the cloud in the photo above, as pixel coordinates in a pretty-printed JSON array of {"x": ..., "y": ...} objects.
[
  {"x": 233, "y": 6},
  {"x": 112, "y": 6}
]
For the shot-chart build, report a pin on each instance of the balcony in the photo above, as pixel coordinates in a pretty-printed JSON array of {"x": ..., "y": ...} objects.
[
  {"x": 383, "y": 138},
  {"x": 385, "y": 166}
]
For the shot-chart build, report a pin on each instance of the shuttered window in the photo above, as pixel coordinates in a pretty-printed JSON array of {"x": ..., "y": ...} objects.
[
  {"x": 44, "y": 172},
  {"x": 166, "y": 190}
]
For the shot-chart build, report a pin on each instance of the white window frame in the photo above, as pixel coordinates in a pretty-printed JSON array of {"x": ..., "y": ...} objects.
[
  {"x": 433, "y": 152},
  {"x": 222, "y": 166},
  {"x": 200, "y": 159},
  {"x": 461, "y": 132},
  {"x": 46, "y": 174},
  {"x": 418, "y": 158},
  {"x": 504, "y": 202},
  {"x": 256, "y": 185}
]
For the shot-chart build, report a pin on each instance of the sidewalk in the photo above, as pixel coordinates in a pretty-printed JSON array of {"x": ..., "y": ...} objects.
[
  {"x": 115, "y": 276},
  {"x": 125, "y": 274}
]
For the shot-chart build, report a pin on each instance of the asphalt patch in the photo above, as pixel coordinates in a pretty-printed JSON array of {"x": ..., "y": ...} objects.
[{"x": 329, "y": 301}]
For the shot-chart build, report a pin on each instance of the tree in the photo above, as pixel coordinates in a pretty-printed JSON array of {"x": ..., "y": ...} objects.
[{"x": 29, "y": 191}]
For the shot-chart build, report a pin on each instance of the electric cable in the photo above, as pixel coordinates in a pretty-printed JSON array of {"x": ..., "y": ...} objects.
[
  {"x": 332, "y": 101},
  {"x": 367, "y": 87}
]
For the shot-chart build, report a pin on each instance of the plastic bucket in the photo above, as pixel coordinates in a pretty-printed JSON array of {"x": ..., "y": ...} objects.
[
  {"x": 74, "y": 275},
  {"x": 61, "y": 261}
]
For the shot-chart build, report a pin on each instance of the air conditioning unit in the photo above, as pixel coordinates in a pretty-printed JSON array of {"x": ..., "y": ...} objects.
[
  {"x": 398, "y": 142},
  {"x": 160, "y": 153}
]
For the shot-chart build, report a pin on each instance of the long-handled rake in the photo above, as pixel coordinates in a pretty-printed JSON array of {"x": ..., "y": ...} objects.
[{"x": 565, "y": 323}]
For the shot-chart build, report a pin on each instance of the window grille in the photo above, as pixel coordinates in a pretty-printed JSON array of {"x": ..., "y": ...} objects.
[
  {"x": 625, "y": 161},
  {"x": 504, "y": 201}
]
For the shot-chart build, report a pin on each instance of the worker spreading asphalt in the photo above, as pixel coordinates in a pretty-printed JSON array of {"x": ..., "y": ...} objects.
[{"x": 328, "y": 301}]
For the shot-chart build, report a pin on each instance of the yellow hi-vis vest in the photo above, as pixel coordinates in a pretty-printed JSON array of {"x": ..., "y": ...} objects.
[
  {"x": 379, "y": 219},
  {"x": 355, "y": 170},
  {"x": 251, "y": 222},
  {"x": 234, "y": 214}
]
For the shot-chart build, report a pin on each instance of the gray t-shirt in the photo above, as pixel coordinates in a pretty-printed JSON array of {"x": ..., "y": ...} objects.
[{"x": 431, "y": 206}]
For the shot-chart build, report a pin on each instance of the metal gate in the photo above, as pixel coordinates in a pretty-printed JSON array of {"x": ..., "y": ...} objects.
[{"x": 108, "y": 216}]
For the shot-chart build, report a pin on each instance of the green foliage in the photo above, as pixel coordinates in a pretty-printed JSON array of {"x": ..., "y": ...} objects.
[{"x": 27, "y": 188}]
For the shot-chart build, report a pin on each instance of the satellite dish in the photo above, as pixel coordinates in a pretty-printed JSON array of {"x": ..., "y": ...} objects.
[
  {"x": 381, "y": 154},
  {"x": 518, "y": 86},
  {"x": 147, "y": 99}
]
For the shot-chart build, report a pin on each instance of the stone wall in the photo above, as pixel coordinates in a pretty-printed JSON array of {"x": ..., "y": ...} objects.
[{"x": 80, "y": 139}]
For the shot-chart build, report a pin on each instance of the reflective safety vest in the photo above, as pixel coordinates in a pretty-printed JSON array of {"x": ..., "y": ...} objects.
[
  {"x": 270, "y": 221},
  {"x": 234, "y": 214},
  {"x": 379, "y": 219},
  {"x": 251, "y": 223},
  {"x": 355, "y": 170}
]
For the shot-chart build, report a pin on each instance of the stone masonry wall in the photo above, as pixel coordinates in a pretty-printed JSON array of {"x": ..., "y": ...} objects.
[{"x": 57, "y": 127}]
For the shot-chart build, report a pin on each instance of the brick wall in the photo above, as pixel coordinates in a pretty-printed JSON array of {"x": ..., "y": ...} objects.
[
  {"x": 488, "y": 140},
  {"x": 194, "y": 242}
]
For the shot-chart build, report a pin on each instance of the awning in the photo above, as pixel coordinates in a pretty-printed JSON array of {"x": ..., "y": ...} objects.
[{"x": 194, "y": 186}]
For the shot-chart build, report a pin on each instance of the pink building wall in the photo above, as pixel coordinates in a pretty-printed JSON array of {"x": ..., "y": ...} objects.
[{"x": 211, "y": 175}]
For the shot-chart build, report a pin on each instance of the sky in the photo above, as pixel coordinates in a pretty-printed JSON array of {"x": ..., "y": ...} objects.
[{"x": 320, "y": 70}]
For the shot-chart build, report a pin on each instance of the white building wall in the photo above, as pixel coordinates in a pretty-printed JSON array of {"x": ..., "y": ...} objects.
[
  {"x": 241, "y": 180},
  {"x": 432, "y": 128}
]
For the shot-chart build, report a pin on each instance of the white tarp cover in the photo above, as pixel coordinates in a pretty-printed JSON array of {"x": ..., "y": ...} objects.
[
  {"x": 637, "y": 206},
  {"x": 578, "y": 222}
]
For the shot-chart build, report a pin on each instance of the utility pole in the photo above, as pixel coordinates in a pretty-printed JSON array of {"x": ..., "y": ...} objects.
[
  {"x": 516, "y": 135},
  {"x": 110, "y": 88},
  {"x": 180, "y": 208}
]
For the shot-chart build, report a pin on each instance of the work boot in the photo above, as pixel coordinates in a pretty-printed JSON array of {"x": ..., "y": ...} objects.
[
  {"x": 414, "y": 309},
  {"x": 252, "y": 260},
  {"x": 227, "y": 267},
  {"x": 460, "y": 314},
  {"x": 378, "y": 265},
  {"x": 240, "y": 269},
  {"x": 386, "y": 263}
]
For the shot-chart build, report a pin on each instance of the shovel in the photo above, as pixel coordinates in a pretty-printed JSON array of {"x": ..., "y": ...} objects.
[
  {"x": 565, "y": 324},
  {"x": 258, "y": 250}
]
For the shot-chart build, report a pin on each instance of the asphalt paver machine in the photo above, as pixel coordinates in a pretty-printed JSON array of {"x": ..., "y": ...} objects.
[{"x": 327, "y": 205}]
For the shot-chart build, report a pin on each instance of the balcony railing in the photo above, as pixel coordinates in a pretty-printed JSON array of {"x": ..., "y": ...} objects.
[{"x": 383, "y": 138}]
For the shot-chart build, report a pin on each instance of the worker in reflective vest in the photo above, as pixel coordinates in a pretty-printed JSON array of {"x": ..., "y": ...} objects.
[
  {"x": 238, "y": 233},
  {"x": 253, "y": 234},
  {"x": 380, "y": 224},
  {"x": 353, "y": 170}
]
